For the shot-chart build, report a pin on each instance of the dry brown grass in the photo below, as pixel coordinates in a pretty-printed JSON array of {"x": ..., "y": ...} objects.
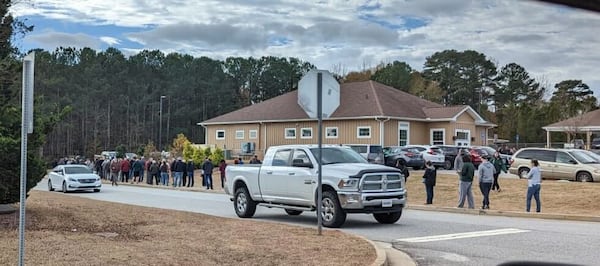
[
  {"x": 62, "y": 230},
  {"x": 556, "y": 197}
]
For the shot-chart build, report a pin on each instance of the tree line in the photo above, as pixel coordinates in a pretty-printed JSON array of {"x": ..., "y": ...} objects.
[{"x": 116, "y": 100}]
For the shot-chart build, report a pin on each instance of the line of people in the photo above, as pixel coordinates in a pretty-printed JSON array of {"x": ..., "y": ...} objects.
[{"x": 157, "y": 172}]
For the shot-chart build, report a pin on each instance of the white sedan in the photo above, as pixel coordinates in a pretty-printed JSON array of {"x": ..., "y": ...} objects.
[
  {"x": 72, "y": 177},
  {"x": 431, "y": 153}
]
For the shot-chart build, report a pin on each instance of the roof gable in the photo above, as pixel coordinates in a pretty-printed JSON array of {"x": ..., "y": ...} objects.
[{"x": 589, "y": 119}]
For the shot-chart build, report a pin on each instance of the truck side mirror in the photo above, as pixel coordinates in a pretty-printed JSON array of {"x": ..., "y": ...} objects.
[{"x": 301, "y": 163}]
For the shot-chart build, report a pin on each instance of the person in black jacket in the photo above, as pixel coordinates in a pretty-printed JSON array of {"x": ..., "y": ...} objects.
[
  {"x": 429, "y": 181},
  {"x": 401, "y": 165},
  {"x": 190, "y": 173},
  {"x": 208, "y": 167}
]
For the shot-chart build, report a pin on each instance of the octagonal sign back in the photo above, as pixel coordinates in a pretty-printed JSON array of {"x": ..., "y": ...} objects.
[{"x": 307, "y": 93}]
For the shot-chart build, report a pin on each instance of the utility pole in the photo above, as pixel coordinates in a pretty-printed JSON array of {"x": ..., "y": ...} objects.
[{"x": 160, "y": 123}]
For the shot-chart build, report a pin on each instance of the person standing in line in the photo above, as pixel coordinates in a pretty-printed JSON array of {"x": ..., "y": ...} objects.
[
  {"x": 500, "y": 166},
  {"x": 458, "y": 161},
  {"x": 208, "y": 167},
  {"x": 179, "y": 168},
  {"x": 240, "y": 161},
  {"x": 222, "y": 167},
  {"x": 164, "y": 173},
  {"x": 114, "y": 172},
  {"x": 184, "y": 175},
  {"x": 137, "y": 168},
  {"x": 190, "y": 173},
  {"x": 466, "y": 182},
  {"x": 106, "y": 168},
  {"x": 153, "y": 173},
  {"x": 172, "y": 170},
  {"x": 125, "y": 167},
  {"x": 144, "y": 168},
  {"x": 401, "y": 165},
  {"x": 429, "y": 180},
  {"x": 486, "y": 174},
  {"x": 534, "y": 185}
]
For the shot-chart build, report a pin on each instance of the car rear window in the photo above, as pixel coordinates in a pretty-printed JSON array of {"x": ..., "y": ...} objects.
[
  {"x": 376, "y": 149},
  {"x": 437, "y": 150},
  {"x": 359, "y": 149}
]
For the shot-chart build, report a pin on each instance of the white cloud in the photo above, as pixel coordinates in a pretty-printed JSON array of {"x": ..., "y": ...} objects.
[
  {"x": 51, "y": 40},
  {"x": 111, "y": 41},
  {"x": 550, "y": 41}
]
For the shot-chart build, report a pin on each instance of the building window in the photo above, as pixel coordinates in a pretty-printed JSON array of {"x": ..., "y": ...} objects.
[
  {"x": 331, "y": 132},
  {"x": 290, "y": 133},
  {"x": 306, "y": 133},
  {"x": 363, "y": 132},
  {"x": 438, "y": 136},
  {"x": 403, "y": 133},
  {"x": 239, "y": 134},
  {"x": 220, "y": 134},
  {"x": 252, "y": 134}
]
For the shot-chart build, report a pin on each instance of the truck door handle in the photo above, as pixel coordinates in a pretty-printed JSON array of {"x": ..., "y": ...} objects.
[
  {"x": 291, "y": 173},
  {"x": 269, "y": 172}
]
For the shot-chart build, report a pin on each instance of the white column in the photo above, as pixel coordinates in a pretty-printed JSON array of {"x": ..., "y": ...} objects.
[{"x": 547, "y": 139}]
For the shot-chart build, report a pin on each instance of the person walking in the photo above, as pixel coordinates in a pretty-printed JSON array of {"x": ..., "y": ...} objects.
[
  {"x": 534, "y": 185},
  {"x": 190, "y": 173},
  {"x": 429, "y": 180},
  {"x": 114, "y": 172},
  {"x": 164, "y": 173},
  {"x": 401, "y": 165},
  {"x": 208, "y": 167},
  {"x": 500, "y": 166},
  {"x": 222, "y": 167},
  {"x": 466, "y": 182},
  {"x": 486, "y": 174}
]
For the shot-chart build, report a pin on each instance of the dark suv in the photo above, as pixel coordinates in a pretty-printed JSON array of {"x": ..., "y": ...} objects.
[
  {"x": 410, "y": 156},
  {"x": 450, "y": 154}
]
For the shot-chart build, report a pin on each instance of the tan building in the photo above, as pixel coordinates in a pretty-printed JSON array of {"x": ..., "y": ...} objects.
[{"x": 369, "y": 113}]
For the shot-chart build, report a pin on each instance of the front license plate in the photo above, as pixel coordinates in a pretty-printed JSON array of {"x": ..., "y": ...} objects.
[{"x": 386, "y": 203}]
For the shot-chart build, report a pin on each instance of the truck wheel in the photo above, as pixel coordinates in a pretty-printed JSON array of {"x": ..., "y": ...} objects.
[
  {"x": 332, "y": 213},
  {"x": 387, "y": 218},
  {"x": 293, "y": 212},
  {"x": 244, "y": 206}
]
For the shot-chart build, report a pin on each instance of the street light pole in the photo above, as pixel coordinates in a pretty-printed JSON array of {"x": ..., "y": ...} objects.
[{"x": 160, "y": 123}]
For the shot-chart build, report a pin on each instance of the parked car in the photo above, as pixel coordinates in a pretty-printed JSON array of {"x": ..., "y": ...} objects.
[
  {"x": 72, "y": 177},
  {"x": 489, "y": 151},
  {"x": 287, "y": 179},
  {"x": 410, "y": 156},
  {"x": 595, "y": 144},
  {"x": 450, "y": 153},
  {"x": 434, "y": 154},
  {"x": 373, "y": 153},
  {"x": 567, "y": 164}
]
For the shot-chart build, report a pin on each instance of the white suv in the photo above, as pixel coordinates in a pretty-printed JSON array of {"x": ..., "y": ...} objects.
[
  {"x": 373, "y": 153},
  {"x": 433, "y": 154}
]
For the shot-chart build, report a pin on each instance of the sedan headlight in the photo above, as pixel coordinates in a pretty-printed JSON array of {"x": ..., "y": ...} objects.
[
  {"x": 348, "y": 183},
  {"x": 597, "y": 171},
  {"x": 72, "y": 179}
]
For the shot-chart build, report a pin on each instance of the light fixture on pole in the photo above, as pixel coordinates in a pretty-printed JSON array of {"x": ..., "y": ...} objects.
[{"x": 160, "y": 123}]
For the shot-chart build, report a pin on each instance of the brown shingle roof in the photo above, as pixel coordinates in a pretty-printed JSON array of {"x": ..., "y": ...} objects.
[
  {"x": 357, "y": 99},
  {"x": 589, "y": 119}
]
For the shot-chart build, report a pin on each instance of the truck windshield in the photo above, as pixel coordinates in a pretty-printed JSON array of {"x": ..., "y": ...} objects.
[{"x": 338, "y": 155}]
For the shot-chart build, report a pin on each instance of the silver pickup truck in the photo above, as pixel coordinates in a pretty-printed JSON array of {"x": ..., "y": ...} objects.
[{"x": 287, "y": 179}]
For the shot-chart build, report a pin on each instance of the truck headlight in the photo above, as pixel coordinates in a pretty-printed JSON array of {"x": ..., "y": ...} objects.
[{"x": 348, "y": 183}]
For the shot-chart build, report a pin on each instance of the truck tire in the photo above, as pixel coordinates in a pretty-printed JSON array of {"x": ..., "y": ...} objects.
[
  {"x": 293, "y": 212},
  {"x": 387, "y": 218},
  {"x": 243, "y": 204},
  {"x": 331, "y": 211}
]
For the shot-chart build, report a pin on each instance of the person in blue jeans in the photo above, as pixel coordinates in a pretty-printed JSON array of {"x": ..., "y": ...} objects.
[
  {"x": 208, "y": 167},
  {"x": 534, "y": 184},
  {"x": 164, "y": 173},
  {"x": 190, "y": 173}
]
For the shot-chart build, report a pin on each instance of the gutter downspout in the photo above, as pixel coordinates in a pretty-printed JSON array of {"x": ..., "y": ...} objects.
[
  {"x": 264, "y": 140},
  {"x": 382, "y": 130},
  {"x": 205, "y": 133}
]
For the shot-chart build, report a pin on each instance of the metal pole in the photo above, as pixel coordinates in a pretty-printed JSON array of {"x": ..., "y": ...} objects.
[
  {"x": 320, "y": 130},
  {"x": 26, "y": 127},
  {"x": 160, "y": 125}
]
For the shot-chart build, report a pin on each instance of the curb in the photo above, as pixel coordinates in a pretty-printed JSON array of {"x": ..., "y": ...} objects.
[
  {"x": 8, "y": 209},
  {"x": 553, "y": 216},
  {"x": 170, "y": 187},
  {"x": 395, "y": 257},
  {"x": 381, "y": 259}
]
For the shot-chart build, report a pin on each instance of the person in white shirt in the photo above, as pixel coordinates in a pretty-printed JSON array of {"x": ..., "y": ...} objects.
[{"x": 534, "y": 184}]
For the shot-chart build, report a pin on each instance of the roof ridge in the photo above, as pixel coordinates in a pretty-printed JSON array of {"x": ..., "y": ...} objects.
[{"x": 376, "y": 98}]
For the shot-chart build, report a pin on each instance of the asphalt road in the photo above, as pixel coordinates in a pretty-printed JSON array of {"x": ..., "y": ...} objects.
[{"x": 431, "y": 238}]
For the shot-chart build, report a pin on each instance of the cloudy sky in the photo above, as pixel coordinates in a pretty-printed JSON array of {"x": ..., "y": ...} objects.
[{"x": 552, "y": 42}]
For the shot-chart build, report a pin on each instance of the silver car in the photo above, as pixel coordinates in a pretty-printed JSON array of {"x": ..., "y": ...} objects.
[{"x": 73, "y": 177}]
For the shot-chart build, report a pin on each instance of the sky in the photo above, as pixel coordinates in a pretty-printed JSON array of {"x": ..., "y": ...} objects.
[{"x": 552, "y": 42}]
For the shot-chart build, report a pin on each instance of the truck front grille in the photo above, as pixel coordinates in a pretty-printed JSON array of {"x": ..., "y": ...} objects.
[{"x": 381, "y": 182}]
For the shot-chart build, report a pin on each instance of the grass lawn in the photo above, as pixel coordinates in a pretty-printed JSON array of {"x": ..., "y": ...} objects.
[
  {"x": 556, "y": 197},
  {"x": 68, "y": 230}
]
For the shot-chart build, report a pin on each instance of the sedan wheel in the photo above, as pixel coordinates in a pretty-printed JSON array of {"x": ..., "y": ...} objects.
[
  {"x": 64, "y": 187},
  {"x": 50, "y": 188},
  {"x": 584, "y": 177}
]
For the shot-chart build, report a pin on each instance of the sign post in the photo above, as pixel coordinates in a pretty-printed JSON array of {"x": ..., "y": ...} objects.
[
  {"x": 320, "y": 105},
  {"x": 26, "y": 128}
]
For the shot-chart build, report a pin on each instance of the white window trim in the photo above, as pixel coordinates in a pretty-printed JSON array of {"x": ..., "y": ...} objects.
[
  {"x": 404, "y": 125},
  {"x": 311, "y": 133},
  {"x": 337, "y": 133},
  {"x": 358, "y": 132},
  {"x": 285, "y": 133},
  {"x": 217, "y": 134},
  {"x": 240, "y": 131},
  {"x": 250, "y": 134},
  {"x": 464, "y": 131},
  {"x": 443, "y": 136}
]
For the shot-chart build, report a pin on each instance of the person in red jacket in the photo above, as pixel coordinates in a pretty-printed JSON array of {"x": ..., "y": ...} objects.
[
  {"x": 222, "y": 166},
  {"x": 125, "y": 167}
]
